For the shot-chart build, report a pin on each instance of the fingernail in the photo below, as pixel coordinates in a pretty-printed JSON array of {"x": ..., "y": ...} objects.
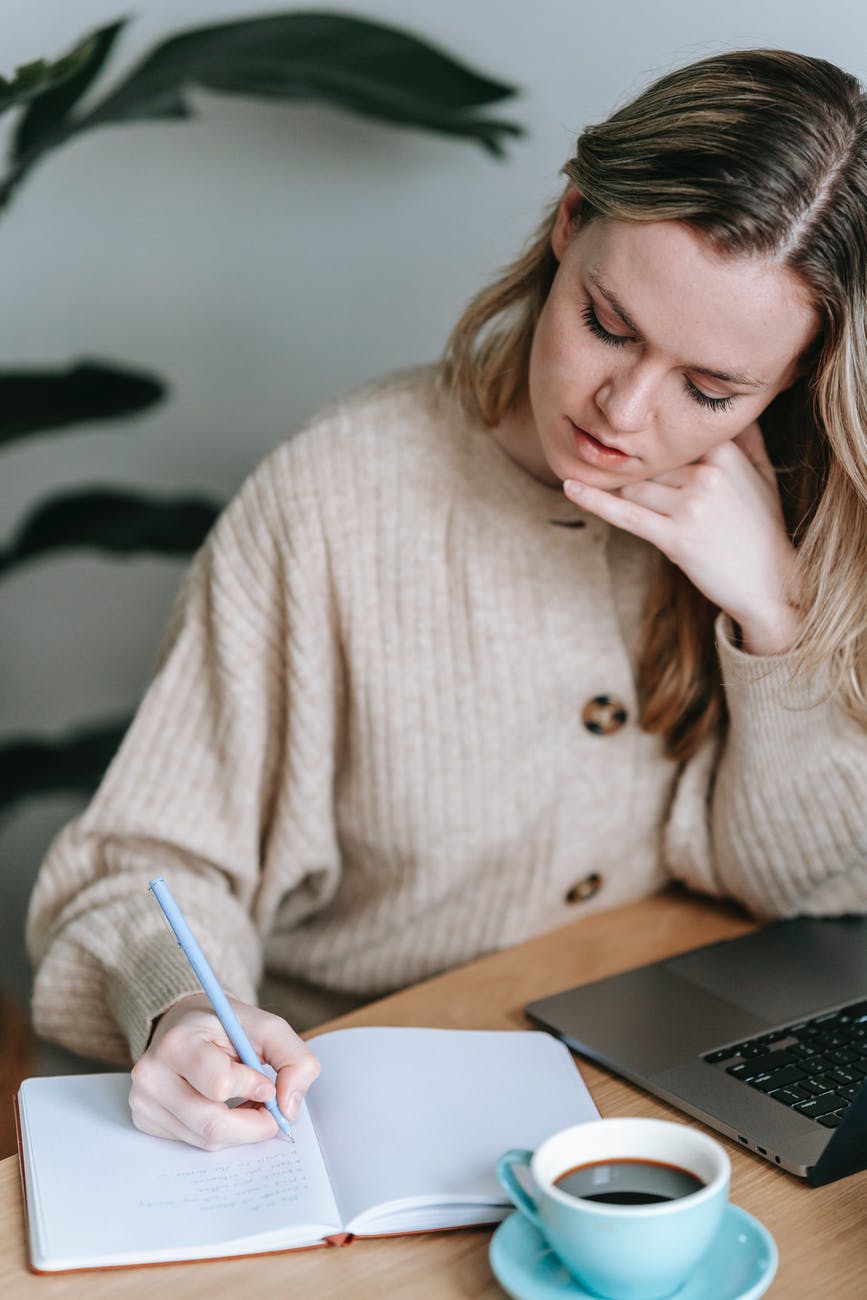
[
  {"x": 294, "y": 1105},
  {"x": 264, "y": 1092}
]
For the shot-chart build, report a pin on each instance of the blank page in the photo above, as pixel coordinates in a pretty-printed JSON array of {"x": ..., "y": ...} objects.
[{"x": 421, "y": 1116}]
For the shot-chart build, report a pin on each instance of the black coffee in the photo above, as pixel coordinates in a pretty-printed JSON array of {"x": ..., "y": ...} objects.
[{"x": 628, "y": 1182}]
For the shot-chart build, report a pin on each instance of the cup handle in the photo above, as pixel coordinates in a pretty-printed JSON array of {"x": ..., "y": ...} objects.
[{"x": 511, "y": 1186}]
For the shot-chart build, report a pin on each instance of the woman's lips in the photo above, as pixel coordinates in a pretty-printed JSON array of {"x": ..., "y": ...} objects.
[{"x": 594, "y": 451}]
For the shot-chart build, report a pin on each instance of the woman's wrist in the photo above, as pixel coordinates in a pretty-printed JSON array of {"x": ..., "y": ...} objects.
[
  {"x": 194, "y": 999},
  {"x": 774, "y": 631}
]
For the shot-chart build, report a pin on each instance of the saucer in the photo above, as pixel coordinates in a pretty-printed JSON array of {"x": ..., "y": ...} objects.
[{"x": 740, "y": 1264}]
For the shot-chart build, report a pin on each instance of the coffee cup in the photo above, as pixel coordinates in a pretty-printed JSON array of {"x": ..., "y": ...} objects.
[{"x": 630, "y": 1206}]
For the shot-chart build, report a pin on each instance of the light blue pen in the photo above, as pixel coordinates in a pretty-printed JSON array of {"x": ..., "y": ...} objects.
[{"x": 209, "y": 982}]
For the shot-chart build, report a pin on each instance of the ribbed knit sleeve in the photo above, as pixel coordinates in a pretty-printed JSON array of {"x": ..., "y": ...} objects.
[
  {"x": 775, "y": 815},
  {"x": 194, "y": 789}
]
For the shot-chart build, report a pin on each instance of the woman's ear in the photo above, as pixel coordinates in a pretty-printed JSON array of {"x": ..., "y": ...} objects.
[{"x": 564, "y": 222}]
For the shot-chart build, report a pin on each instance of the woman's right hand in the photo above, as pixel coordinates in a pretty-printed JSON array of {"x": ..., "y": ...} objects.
[{"x": 190, "y": 1069}]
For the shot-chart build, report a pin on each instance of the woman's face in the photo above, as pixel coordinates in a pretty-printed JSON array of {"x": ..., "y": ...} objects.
[{"x": 651, "y": 349}]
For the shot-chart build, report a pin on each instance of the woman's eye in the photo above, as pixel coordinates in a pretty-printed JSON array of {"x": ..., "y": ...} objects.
[
  {"x": 709, "y": 403},
  {"x": 595, "y": 326}
]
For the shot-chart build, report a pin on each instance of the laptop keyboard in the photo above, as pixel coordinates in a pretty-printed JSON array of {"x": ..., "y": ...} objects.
[{"x": 816, "y": 1066}]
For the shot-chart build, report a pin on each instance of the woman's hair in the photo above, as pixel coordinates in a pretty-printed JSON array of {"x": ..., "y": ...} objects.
[{"x": 763, "y": 152}]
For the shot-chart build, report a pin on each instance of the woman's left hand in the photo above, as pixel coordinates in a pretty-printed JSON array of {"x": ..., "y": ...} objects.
[{"x": 720, "y": 520}]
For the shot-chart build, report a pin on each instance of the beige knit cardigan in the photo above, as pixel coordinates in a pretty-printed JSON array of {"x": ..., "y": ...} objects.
[{"x": 362, "y": 758}]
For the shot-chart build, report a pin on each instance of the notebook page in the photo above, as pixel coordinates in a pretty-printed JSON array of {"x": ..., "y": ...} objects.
[
  {"x": 421, "y": 1116},
  {"x": 99, "y": 1191}
]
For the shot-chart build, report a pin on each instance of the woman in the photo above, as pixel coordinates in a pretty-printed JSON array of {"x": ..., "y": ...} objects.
[{"x": 581, "y": 613}]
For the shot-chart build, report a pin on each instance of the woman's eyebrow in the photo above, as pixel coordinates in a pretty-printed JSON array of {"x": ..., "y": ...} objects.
[{"x": 727, "y": 376}]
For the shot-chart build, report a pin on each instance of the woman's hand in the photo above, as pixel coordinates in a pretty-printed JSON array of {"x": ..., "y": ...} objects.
[
  {"x": 720, "y": 520},
  {"x": 181, "y": 1084}
]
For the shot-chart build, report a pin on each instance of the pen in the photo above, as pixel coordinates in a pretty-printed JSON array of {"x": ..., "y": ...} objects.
[{"x": 209, "y": 982}]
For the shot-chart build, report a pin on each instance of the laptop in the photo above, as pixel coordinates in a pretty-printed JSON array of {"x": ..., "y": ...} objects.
[{"x": 763, "y": 1037}]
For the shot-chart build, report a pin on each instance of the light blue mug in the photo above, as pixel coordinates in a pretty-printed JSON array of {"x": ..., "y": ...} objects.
[{"x": 623, "y": 1251}]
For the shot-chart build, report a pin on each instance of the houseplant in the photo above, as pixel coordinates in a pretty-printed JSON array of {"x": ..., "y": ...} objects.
[{"x": 363, "y": 67}]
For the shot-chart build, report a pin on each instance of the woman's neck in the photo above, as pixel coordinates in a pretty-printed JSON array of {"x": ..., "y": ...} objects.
[{"x": 516, "y": 435}]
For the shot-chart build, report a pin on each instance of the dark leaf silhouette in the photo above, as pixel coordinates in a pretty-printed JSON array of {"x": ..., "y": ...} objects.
[
  {"x": 72, "y": 765},
  {"x": 111, "y": 520},
  {"x": 47, "y": 112},
  {"x": 369, "y": 68},
  {"x": 32, "y": 401},
  {"x": 66, "y": 77}
]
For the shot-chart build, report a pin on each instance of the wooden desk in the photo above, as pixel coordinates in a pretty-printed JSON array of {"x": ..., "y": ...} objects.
[{"x": 821, "y": 1234}]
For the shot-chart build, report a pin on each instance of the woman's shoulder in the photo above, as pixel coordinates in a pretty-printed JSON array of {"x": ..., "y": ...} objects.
[
  {"x": 397, "y": 430},
  {"x": 387, "y": 425},
  {"x": 404, "y": 406},
  {"x": 407, "y": 391}
]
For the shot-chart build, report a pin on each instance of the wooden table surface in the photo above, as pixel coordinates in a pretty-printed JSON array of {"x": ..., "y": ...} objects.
[{"x": 821, "y": 1233}]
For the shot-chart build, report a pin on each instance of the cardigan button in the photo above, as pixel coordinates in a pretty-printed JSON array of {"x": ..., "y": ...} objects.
[
  {"x": 604, "y": 714},
  {"x": 585, "y": 889}
]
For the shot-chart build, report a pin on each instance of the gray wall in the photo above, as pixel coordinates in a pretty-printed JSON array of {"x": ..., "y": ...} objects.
[{"x": 262, "y": 259}]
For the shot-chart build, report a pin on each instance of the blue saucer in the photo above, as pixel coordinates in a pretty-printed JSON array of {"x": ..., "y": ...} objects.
[{"x": 740, "y": 1264}]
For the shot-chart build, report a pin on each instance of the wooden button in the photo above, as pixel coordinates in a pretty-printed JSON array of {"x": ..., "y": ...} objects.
[
  {"x": 604, "y": 714},
  {"x": 585, "y": 889}
]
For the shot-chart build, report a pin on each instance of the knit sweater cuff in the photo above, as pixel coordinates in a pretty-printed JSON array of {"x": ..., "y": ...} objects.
[
  {"x": 133, "y": 969},
  {"x": 152, "y": 976},
  {"x": 770, "y": 702}
]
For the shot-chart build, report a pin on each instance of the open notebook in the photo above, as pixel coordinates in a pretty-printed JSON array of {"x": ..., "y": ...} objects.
[{"x": 400, "y": 1133}]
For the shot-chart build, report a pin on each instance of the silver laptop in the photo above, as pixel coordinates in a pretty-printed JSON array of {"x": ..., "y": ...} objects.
[{"x": 763, "y": 1037}]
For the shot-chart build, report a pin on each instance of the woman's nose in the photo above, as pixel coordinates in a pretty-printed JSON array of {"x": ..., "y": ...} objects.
[{"x": 626, "y": 398}]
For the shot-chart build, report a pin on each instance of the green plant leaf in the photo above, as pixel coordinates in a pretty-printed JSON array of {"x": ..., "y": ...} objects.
[
  {"x": 43, "y": 121},
  {"x": 110, "y": 520},
  {"x": 32, "y": 401},
  {"x": 368, "y": 67},
  {"x": 40, "y": 77},
  {"x": 74, "y": 764}
]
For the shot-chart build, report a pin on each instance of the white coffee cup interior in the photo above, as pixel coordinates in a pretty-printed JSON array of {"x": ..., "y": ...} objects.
[{"x": 632, "y": 1139}]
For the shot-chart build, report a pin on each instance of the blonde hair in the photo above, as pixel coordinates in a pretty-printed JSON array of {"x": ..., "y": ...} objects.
[{"x": 763, "y": 152}]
